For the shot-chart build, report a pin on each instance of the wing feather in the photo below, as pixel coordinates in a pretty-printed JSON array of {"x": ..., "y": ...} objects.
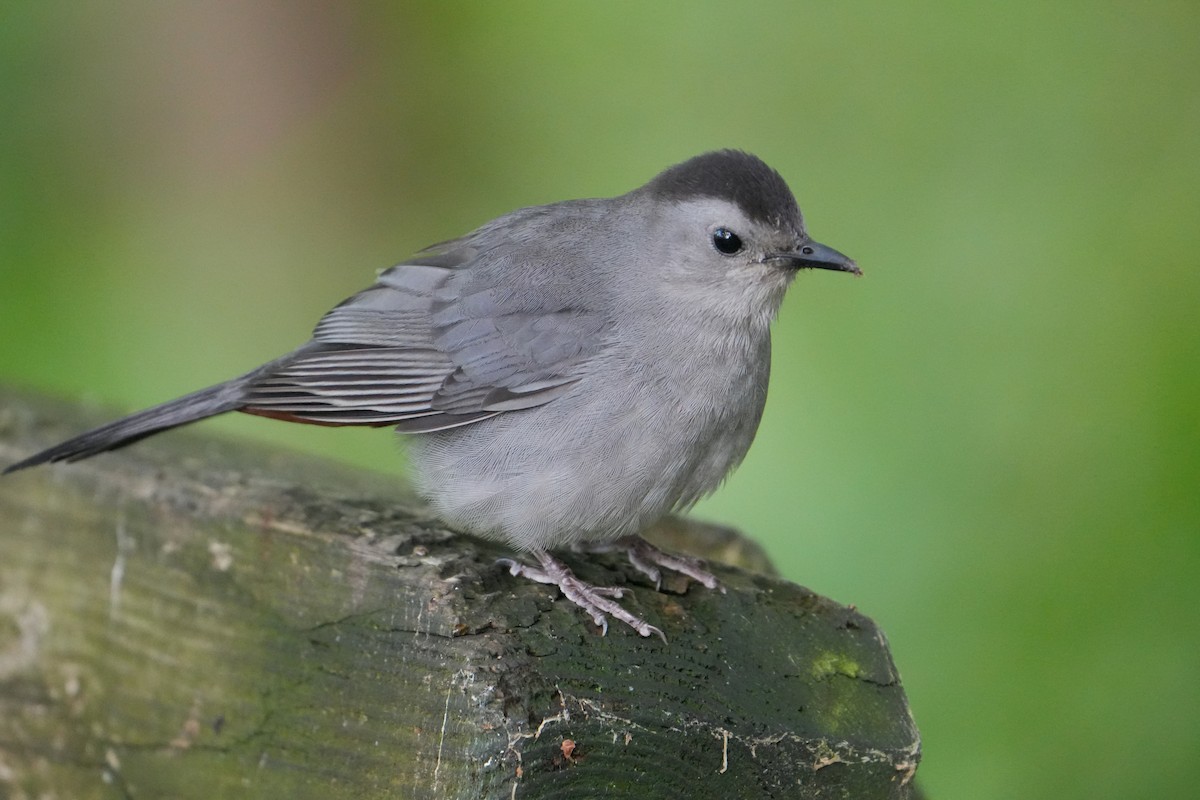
[{"x": 432, "y": 346}]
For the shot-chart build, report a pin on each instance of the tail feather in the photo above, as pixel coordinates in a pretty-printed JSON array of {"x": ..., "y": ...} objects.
[{"x": 189, "y": 408}]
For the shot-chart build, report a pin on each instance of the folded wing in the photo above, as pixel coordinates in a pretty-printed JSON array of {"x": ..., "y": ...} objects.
[{"x": 428, "y": 348}]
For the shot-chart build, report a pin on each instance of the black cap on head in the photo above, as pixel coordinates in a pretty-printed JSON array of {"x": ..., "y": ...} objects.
[{"x": 731, "y": 175}]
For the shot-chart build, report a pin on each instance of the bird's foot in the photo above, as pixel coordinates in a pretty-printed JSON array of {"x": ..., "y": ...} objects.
[
  {"x": 597, "y": 601},
  {"x": 646, "y": 559}
]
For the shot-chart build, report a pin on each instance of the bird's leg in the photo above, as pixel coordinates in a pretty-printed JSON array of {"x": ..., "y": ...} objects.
[
  {"x": 595, "y": 600},
  {"x": 646, "y": 559}
]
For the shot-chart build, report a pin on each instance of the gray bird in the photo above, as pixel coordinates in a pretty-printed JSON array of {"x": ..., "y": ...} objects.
[{"x": 566, "y": 374}]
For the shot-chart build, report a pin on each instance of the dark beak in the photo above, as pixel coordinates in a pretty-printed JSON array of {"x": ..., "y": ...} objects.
[{"x": 814, "y": 255}]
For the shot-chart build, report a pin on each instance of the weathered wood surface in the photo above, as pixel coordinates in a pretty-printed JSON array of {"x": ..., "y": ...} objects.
[{"x": 192, "y": 618}]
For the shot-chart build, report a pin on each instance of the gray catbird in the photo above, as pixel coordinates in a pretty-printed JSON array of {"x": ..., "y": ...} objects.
[{"x": 568, "y": 373}]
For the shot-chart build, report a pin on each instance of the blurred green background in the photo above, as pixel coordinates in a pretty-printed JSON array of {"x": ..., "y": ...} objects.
[{"x": 990, "y": 444}]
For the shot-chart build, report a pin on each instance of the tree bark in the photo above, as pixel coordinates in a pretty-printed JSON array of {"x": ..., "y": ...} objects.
[{"x": 193, "y": 618}]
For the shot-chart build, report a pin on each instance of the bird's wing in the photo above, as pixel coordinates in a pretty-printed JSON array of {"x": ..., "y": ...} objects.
[{"x": 431, "y": 346}]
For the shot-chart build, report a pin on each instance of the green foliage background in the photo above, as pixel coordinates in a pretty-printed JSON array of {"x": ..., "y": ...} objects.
[{"x": 991, "y": 443}]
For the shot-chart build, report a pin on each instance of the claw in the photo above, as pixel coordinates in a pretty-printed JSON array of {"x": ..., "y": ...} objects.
[
  {"x": 646, "y": 559},
  {"x": 594, "y": 600}
]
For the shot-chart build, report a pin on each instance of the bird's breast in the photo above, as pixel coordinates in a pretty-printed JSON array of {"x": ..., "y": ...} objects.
[{"x": 638, "y": 435}]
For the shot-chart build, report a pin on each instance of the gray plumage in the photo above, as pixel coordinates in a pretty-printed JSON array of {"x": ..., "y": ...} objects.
[{"x": 569, "y": 373}]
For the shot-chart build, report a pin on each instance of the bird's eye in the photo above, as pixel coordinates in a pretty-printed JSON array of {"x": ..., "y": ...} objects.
[{"x": 726, "y": 241}]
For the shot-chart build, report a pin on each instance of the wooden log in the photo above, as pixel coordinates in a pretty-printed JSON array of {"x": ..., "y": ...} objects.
[{"x": 194, "y": 618}]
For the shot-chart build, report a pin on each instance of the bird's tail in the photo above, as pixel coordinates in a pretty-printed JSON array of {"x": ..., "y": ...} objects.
[{"x": 189, "y": 408}]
